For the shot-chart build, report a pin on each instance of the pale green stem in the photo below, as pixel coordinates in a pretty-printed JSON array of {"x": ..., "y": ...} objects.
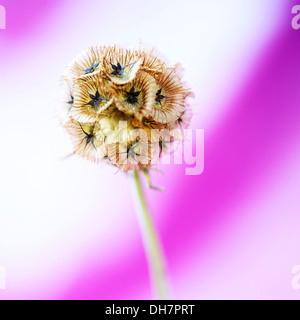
[{"x": 152, "y": 246}]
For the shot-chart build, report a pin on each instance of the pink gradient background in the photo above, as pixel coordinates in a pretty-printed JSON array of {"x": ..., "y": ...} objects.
[{"x": 68, "y": 228}]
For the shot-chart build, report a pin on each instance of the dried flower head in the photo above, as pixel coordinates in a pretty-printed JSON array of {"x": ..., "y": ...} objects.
[{"x": 125, "y": 107}]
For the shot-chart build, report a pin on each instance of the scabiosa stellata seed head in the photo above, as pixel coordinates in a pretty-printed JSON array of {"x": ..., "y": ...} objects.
[{"x": 125, "y": 107}]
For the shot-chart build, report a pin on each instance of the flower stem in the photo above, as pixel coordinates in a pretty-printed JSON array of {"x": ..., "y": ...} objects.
[{"x": 151, "y": 244}]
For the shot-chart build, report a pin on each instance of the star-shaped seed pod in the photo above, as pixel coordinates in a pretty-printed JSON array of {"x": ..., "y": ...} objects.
[
  {"x": 136, "y": 97},
  {"x": 132, "y": 155},
  {"x": 91, "y": 98},
  {"x": 86, "y": 64},
  {"x": 88, "y": 139},
  {"x": 121, "y": 65},
  {"x": 169, "y": 97}
]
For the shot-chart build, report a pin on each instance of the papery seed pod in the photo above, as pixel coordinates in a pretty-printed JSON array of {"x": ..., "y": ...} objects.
[
  {"x": 133, "y": 155},
  {"x": 169, "y": 99},
  {"x": 88, "y": 139},
  {"x": 136, "y": 98},
  {"x": 120, "y": 65},
  {"x": 86, "y": 64},
  {"x": 91, "y": 98}
]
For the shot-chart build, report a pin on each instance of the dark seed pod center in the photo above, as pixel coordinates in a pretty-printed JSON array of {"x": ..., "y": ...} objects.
[{"x": 132, "y": 95}]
